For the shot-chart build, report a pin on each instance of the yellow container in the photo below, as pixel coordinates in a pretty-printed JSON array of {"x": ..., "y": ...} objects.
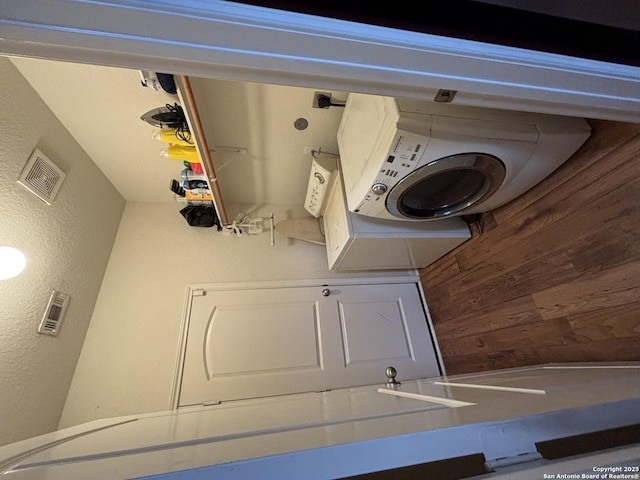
[
  {"x": 198, "y": 194},
  {"x": 171, "y": 136},
  {"x": 179, "y": 152}
]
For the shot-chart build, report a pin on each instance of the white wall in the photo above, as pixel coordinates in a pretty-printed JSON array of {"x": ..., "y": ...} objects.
[
  {"x": 257, "y": 117},
  {"x": 127, "y": 362},
  {"x": 67, "y": 246}
]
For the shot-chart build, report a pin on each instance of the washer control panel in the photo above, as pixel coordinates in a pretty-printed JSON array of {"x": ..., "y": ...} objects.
[
  {"x": 319, "y": 181},
  {"x": 403, "y": 158}
]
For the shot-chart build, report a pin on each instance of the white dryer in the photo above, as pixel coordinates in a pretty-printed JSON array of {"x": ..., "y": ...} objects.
[
  {"x": 355, "y": 242},
  {"x": 419, "y": 160}
]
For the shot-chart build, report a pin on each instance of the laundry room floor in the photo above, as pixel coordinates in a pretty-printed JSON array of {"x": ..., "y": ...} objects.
[{"x": 555, "y": 274}]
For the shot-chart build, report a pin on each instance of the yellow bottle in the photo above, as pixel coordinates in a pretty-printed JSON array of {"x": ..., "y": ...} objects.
[
  {"x": 172, "y": 136},
  {"x": 179, "y": 152}
]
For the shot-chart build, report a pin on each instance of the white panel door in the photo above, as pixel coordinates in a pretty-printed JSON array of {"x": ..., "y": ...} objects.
[{"x": 262, "y": 342}]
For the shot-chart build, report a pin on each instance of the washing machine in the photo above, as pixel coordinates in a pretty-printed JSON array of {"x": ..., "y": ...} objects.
[{"x": 419, "y": 160}]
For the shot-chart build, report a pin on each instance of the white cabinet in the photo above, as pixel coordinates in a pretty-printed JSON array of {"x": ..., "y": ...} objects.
[{"x": 249, "y": 343}]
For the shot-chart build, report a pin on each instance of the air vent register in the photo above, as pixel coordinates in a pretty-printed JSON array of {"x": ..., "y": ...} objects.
[{"x": 41, "y": 177}]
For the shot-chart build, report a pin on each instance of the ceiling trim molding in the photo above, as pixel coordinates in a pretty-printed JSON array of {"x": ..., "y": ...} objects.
[{"x": 227, "y": 40}]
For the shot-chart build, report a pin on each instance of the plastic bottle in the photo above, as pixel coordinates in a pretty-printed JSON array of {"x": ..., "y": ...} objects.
[
  {"x": 174, "y": 152},
  {"x": 172, "y": 137},
  {"x": 187, "y": 174},
  {"x": 179, "y": 152}
]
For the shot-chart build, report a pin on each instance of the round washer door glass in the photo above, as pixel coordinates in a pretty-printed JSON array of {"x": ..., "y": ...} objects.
[{"x": 446, "y": 186}]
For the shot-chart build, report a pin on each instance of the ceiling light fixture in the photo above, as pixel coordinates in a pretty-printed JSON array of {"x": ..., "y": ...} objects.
[{"x": 12, "y": 262}]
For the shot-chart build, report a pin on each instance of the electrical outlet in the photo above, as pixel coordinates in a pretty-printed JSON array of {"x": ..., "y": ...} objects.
[
  {"x": 321, "y": 100},
  {"x": 310, "y": 150}
]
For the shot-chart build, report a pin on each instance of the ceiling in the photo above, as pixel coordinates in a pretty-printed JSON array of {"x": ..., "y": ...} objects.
[{"x": 101, "y": 108}]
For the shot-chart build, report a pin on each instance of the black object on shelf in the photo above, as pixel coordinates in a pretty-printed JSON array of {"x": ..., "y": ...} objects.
[
  {"x": 169, "y": 116},
  {"x": 167, "y": 82},
  {"x": 176, "y": 188},
  {"x": 201, "y": 216}
]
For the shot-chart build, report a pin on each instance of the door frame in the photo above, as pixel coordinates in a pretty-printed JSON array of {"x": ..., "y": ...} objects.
[
  {"x": 411, "y": 278},
  {"x": 222, "y": 39}
]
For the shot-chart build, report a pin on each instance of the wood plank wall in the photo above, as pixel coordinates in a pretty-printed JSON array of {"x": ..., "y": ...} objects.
[{"x": 555, "y": 274}]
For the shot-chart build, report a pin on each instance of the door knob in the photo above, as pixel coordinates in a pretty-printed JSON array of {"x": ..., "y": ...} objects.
[
  {"x": 391, "y": 373},
  {"x": 326, "y": 292}
]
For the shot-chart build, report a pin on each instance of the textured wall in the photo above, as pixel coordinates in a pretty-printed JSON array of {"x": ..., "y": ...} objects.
[
  {"x": 127, "y": 362},
  {"x": 67, "y": 246}
]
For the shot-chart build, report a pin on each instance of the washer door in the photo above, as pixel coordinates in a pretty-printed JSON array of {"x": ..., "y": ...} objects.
[{"x": 447, "y": 186}]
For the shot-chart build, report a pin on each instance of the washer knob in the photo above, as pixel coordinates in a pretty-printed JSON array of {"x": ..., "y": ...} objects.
[
  {"x": 379, "y": 188},
  {"x": 318, "y": 177}
]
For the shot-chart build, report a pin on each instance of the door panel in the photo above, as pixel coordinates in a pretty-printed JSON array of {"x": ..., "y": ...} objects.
[
  {"x": 383, "y": 325},
  {"x": 255, "y": 343},
  {"x": 234, "y": 330},
  {"x": 382, "y": 335},
  {"x": 263, "y": 342}
]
